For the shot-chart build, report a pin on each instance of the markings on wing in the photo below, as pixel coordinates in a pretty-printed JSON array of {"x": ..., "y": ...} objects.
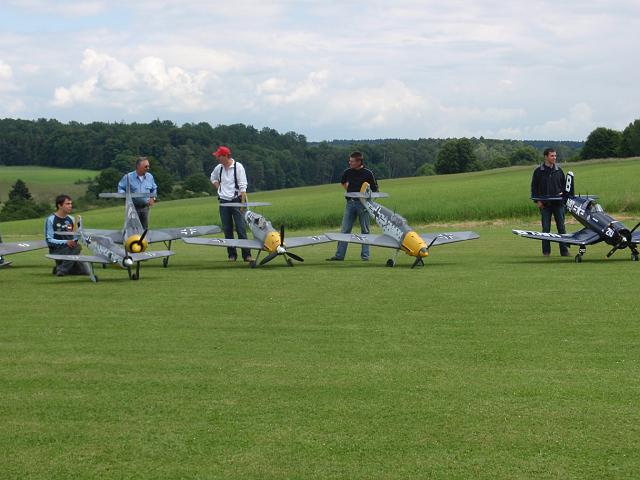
[
  {"x": 188, "y": 231},
  {"x": 358, "y": 237},
  {"x": 538, "y": 234}
]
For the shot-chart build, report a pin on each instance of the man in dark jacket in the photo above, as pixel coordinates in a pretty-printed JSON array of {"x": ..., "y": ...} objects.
[{"x": 548, "y": 181}]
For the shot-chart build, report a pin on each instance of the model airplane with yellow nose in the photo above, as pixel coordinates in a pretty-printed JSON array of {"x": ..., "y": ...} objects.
[
  {"x": 397, "y": 233},
  {"x": 265, "y": 237},
  {"x": 135, "y": 238}
]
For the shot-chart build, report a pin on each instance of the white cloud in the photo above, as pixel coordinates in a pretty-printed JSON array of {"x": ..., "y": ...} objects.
[{"x": 81, "y": 92}]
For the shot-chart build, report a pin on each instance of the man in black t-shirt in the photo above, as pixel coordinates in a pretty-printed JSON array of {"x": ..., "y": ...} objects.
[{"x": 352, "y": 180}]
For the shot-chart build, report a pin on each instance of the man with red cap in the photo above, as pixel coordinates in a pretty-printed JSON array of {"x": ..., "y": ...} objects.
[{"x": 230, "y": 180}]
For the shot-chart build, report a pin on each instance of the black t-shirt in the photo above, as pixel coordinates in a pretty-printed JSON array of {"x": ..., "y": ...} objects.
[{"x": 357, "y": 177}]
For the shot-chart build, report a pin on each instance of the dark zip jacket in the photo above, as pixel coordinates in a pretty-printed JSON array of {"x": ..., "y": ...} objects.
[{"x": 548, "y": 182}]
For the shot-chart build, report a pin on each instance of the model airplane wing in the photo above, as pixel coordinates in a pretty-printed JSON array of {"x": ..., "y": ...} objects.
[
  {"x": 364, "y": 238},
  {"x": 225, "y": 242},
  {"x": 293, "y": 242},
  {"x": 18, "y": 247},
  {"x": 166, "y": 234},
  {"x": 80, "y": 258},
  {"x": 433, "y": 239},
  {"x": 149, "y": 255},
  {"x": 581, "y": 237},
  {"x": 635, "y": 238}
]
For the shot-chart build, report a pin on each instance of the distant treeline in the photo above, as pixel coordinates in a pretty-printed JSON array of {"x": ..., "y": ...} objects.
[{"x": 273, "y": 160}]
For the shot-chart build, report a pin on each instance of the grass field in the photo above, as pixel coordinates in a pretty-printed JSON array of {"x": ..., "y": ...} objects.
[
  {"x": 44, "y": 183},
  {"x": 490, "y": 362}
]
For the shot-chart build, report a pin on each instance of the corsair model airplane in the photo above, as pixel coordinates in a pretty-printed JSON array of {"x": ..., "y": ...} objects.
[
  {"x": 107, "y": 252},
  {"x": 10, "y": 248},
  {"x": 598, "y": 225},
  {"x": 134, "y": 237},
  {"x": 397, "y": 233},
  {"x": 265, "y": 237}
]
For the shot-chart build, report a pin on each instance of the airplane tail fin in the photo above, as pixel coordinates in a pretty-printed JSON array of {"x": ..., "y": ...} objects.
[{"x": 569, "y": 186}]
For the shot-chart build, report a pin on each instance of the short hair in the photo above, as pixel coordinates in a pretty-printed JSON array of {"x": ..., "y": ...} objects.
[
  {"x": 547, "y": 151},
  {"x": 357, "y": 155},
  {"x": 60, "y": 199},
  {"x": 140, "y": 160}
]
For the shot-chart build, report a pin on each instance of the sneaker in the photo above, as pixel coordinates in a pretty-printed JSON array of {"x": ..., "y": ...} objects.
[
  {"x": 232, "y": 259},
  {"x": 546, "y": 254},
  {"x": 335, "y": 259},
  {"x": 365, "y": 259},
  {"x": 59, "y": 274},
  {"x": 248, "y": 259}
]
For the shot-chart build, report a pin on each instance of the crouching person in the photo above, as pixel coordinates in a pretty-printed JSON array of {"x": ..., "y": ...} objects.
[{"x": 62, "y": 221}]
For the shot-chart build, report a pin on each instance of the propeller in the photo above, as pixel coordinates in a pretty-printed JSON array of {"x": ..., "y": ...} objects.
[
  {"x": 140, "y": 240},
  {"x": 281, "y": 251},
  {"x": 418, "y": 261}
]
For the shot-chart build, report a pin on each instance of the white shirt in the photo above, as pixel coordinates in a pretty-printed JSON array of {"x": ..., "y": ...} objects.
[{"x": 227, "y": 188}]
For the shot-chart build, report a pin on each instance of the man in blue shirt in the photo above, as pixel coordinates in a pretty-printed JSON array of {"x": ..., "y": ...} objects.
[
  {"x": 62, "y": 221},
  {"x": 140, "y": 181}
]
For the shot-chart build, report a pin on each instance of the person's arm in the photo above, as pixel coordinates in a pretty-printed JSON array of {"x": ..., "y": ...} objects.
[
  {"x": 153, "y": 190},
  {"x": 344, "y": 180},
  {"x": 534, "y": 188},
  {"x": 122, "y": 184},
  {"x": 49, "y": 233},
  {"x": 242, "y": 178},
  {"x": 214, "y": 177},
  {"x": 373, "y": 183}
]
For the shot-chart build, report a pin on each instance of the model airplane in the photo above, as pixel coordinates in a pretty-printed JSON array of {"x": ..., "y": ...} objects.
[
  {"x": 397, "y": 233},
  {"x": 18, "y": 247},
  {"x": 107, "y": 252},
  {"x": 134, "y": 237},
  {"x": 598, "y": 225},
  {"x": 265, "y": 237}
]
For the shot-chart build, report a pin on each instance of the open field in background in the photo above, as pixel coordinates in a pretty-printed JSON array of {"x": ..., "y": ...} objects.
[
  {"x": 44, "y": 183},
  {"x": 484, "y": 196},
  {"x": 490, "y": 362}
]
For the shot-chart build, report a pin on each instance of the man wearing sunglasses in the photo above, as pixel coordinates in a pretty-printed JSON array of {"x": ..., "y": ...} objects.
[{"x": 141, "y": 181}]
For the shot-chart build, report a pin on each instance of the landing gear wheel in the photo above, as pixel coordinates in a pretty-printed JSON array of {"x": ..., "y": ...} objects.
[
  {"x": 134, "y": 276},
  {"x": 289, "y": 262},
  {"x": 578, "y": 258},
  {"x": 165, "y": 262},
  {"x": 634, "y": 257},
  {"x": 390, "y": 262}
]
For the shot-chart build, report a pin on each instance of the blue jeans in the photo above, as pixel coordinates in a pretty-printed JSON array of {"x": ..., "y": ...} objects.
[
  {"x": 558, "y": 213},
  {"x": 229, "y": 216},
  {"x": 352, "y": 210}
]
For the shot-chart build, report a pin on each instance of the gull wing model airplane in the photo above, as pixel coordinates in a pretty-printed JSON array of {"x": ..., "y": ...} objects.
[
  {"x": 135, "y": 238},
  {"x": 107, "y": 252},
  {"x": 397, "y": 233},
  {"x": 18, "y": 247},
  {"x": 598, "y": 225},
  {"x": 265, "y": 237}
]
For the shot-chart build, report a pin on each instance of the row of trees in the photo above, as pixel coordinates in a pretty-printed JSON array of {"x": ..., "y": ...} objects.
[
  {"x": 181, "y": 155},
  {"x": 608, "y": 143}
]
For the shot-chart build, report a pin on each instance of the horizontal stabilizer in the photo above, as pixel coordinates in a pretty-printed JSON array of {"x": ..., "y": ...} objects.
[
  {"x": 364, "y": 195},
  {"x": 434, "y": 239},
  {"x": 166, "y": 234},
  {"x": 245, "y": 204},
  {"x": 124, "y": 195},
  {"x": 225, "y": 242},
  {"x": 365, "y": 239}
]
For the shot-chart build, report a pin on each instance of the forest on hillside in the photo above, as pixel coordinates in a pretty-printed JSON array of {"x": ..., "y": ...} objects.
[{"x": 274, "y": 160}]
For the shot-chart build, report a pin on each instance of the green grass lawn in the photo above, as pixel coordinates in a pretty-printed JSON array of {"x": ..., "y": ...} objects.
[
  {"x": 44, "y": 183},
  {"x": 490, "y": 362}
]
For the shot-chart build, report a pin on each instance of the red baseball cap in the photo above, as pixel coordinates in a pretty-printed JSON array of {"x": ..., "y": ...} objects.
[{"x": 222, "y": 152}]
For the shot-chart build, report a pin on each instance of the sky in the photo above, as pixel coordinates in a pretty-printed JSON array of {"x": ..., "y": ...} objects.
[{"x": 522, "y": 70}]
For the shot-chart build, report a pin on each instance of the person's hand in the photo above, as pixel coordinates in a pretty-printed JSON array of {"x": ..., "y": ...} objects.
[
  {"x": 540, "y": 204},
  {"x": 152, "y": 201},
  {"x": 71, "y": 243}
]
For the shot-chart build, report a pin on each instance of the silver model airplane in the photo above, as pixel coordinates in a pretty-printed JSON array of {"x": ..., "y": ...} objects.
[
  {"x": 265, "y": 237},
  {"x": 10, "y": 248},
  {"x": 396, "y": 231},
  {"x": 135, "y": 238},
  {"x": 107, "y": 252}
]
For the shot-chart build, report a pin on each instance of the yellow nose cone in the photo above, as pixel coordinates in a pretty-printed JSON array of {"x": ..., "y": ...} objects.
[
  {"x": 414, "y": 245},
  {"x": 134, "y": 245},
  {"x": 272, "y": 241}
]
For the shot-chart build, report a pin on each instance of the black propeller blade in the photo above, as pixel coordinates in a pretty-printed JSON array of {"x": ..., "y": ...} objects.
[
  {"x": 294, "y": 256},
  {"x": 268, "y": 258},
  {"x": 418, "y": 261}
]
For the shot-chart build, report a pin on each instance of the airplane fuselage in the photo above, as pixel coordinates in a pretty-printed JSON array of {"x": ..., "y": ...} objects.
[
  {"x": 104, "y": 247},
  {"x": 586, "y": 211},
  {"x": 263, "y": 231}
]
